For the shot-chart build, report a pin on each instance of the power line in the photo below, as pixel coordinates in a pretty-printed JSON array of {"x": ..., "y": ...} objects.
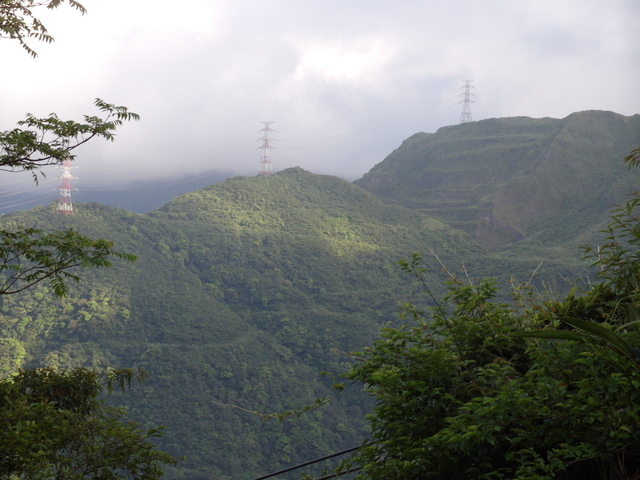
[
  {"x": 398, "y": 123},
  {"x": 484, "y": 113},
  {"x": 339, "y": 474},
  {"x": 420, "y": 110},
  {"x": 295, "y": 467}
]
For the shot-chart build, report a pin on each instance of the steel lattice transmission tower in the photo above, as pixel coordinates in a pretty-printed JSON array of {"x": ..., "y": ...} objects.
[
  {"x": 64, "y": 202},
  {"x": 265, "y": 167},
  {"x": 467, "y": 96}
]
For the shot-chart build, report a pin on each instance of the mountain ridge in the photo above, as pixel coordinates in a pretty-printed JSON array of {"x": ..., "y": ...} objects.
[
  {"x": 247, "y": 289},
  {"x": 243, "y": 292},
  {"x": 501, "y": 179}
]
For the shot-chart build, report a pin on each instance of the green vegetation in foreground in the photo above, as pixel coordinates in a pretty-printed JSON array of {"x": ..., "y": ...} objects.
[
  {"x": 243, "y": 292},
  {"x": 246, "y": 290},
  {"x": 476, "y": 389},
  {"x": 52, "y": 424}
]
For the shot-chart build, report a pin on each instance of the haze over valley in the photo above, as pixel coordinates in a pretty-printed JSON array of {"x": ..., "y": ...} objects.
[{"x": 486, "y": 140}]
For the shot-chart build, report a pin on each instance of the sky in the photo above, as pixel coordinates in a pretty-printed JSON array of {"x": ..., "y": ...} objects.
[{"x": 344, "y": 82}]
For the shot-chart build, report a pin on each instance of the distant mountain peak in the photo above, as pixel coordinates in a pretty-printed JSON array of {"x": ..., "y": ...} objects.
[{"x": 504, "y": 179}]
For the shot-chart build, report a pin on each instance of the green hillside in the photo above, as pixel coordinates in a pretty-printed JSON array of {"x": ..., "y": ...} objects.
[
  {"x": 243, "y": 293},
  {"x": 246, "y": 290},
  {"x": 543, "y": 183}
]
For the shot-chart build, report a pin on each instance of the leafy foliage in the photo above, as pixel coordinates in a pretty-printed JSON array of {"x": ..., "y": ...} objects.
[
  {"x": 18, "y": 22},
  {"x": 633, "y": 159},
  {"x": 618, "y": 257},
  {"x": 52, "y": 424},
  {"x": 55, "y": 427},
  {"x": 243, "y": 292},
  {"x": 29, "y": 256},
  {"x": 49, "y": 140},
  {"x": 460, "y": 393}
]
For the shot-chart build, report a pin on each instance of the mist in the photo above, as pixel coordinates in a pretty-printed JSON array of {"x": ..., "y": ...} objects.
[{"x": 344, "y": 84}]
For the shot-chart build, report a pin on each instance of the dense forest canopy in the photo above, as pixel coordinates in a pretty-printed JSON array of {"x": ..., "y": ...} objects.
[
  {"x": 460, "y": 393},
  {"x": 53, "y": 425},
  {"x": 245, "y": 291}
]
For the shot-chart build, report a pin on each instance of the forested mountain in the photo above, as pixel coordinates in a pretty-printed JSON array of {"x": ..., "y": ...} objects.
[
  {"x": 546, "y": 181},
  {"x": 244, "y": 291}
]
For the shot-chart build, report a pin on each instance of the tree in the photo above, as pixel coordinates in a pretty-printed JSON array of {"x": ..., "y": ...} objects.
[
  {"x": 18, "y": 22},
  {"x": 463, "y": 393},
  {"x": 29, "y": 256},
  {"x": 54, "y": 426},
  {"x": 50, "y": 141}
]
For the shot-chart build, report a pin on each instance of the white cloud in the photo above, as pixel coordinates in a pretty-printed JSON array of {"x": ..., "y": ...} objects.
[
  {"x": 344, "y": 82},
  {"x": 361, "y": 60}
]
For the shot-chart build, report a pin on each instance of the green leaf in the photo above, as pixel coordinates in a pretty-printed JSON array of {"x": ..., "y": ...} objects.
[
  {"x": 552, "y": 335},
  {"x": 600, "y": 332}
]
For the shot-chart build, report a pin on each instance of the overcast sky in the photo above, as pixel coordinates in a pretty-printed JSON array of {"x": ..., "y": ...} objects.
[{"x": 343, "y": 81}]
